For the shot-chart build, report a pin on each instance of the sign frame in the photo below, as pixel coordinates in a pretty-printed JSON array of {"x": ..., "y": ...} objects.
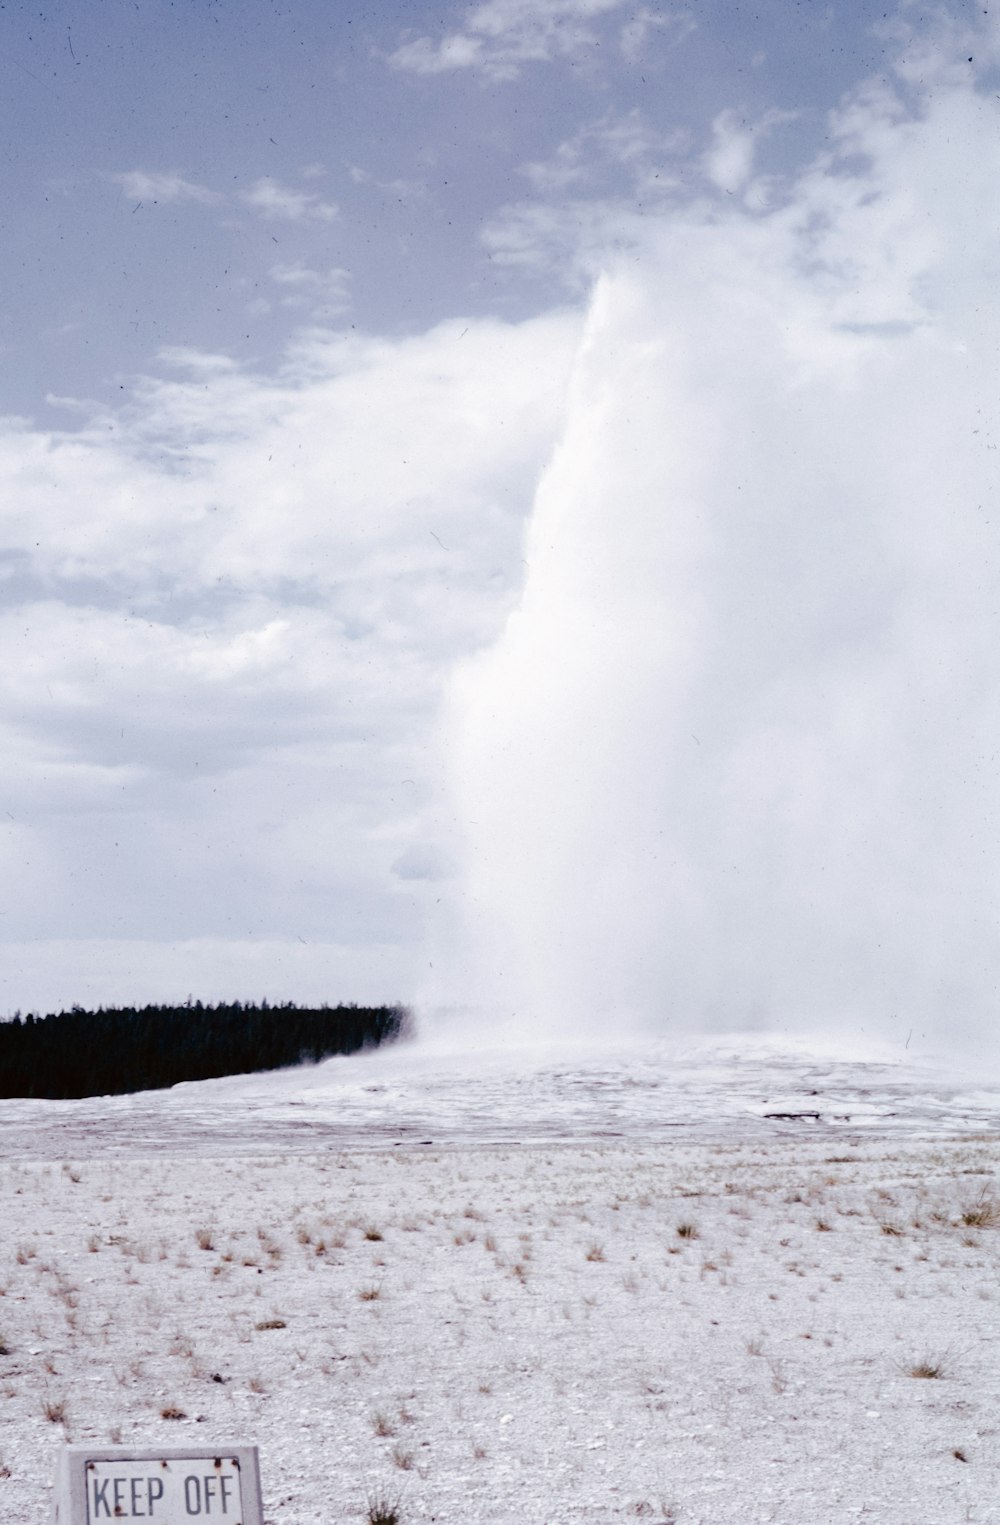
[{"x": 70, "y": 1502}]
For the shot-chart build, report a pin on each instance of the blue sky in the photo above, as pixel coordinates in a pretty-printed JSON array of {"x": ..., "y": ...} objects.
[
  {"x": 294, "y": 301},
  {"x": 215, "y": 175}
]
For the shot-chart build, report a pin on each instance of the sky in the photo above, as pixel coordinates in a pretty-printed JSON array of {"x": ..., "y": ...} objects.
[{"x": 497, "y": 499}]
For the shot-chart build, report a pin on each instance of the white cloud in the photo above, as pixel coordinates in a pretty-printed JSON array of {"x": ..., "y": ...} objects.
[
  {"x": 267, "y": 197},
  {"x": 426, "y": 861},
  {"x": 146, "y": 187},
  {"x": 937, "y": 47},
  {"x": 502, "y": 36},
  {"x": 325, "y": 292},
  {"x": 402, "y": 189},
  {"x": 729, "y": 162},
  {"x": 609, "y": 146},
  {"x": 636, "y": 31},
  {"x": 278, "y": 202},
  {"x": 184, "y": 358},
  {"x": 596, "y": 193},
  {"x": 230, "y": 612}
]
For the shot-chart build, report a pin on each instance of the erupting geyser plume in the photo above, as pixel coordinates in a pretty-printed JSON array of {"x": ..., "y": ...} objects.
[{"x": 734, "y": 758}]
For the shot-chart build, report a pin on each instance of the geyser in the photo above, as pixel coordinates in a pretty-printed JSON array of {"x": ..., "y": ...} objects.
[{"x": 733, "y": 760}]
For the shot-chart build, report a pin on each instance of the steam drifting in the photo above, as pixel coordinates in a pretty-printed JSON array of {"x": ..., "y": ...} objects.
[{"x": 734, "y": 758}]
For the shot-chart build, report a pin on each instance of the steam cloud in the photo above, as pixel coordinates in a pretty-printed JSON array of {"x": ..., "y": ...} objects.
[{"x": 734, "y": 758}]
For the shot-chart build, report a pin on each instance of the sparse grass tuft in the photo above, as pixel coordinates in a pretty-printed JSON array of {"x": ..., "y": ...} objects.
[
  {"x": 595, "y": 1252},
  {"x": 383, "y": 1509},
  {"x": 983, "y": 1213},
  {"x": 929, "y": 1369},
  {"x": 687, "y": 1230},
  {"x": 55, "y": 1410},
  {"x": 370, "y": 1294},
  {"x": 172, "y": 1411},
  {"x": 779, "y": 1378},
  {"x": 643, "y": 1509}
]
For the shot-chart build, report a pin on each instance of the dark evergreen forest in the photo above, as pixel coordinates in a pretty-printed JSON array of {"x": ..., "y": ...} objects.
[{"x": 116, "y": 1050}]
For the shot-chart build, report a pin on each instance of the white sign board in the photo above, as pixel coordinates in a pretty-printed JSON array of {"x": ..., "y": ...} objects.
[
  {"x": 198, "y": 1486},
  {"x": 169, "y": 1492}
]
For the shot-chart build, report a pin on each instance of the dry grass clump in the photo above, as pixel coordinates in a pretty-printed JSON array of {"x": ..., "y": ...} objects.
[
  {"x": 595, "y": 1252},
  {"x": 270, "y": 1246},
  {"x": 383, "y": 1509},
  {"x": 929, "y": 1368},
  {"x": 665, "y": 1513},
  {"x": 687, "y": 1230},
  {"x": 983, "y": 1213}
]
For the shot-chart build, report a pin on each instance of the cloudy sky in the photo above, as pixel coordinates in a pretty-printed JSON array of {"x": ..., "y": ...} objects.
[{"x": 379, "y": 385}]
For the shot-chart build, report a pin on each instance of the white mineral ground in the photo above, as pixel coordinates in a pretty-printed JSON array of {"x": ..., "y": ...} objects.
[{"x": 693, "y": 1283}]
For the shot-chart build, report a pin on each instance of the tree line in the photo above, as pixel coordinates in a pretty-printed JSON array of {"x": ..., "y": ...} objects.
[{"x": 116, "y": 1050}]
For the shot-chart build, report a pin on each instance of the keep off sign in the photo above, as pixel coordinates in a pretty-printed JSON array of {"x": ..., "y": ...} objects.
[
  {"x": 190, "y": 1487},
  {"x": 169, "y": 1492}
]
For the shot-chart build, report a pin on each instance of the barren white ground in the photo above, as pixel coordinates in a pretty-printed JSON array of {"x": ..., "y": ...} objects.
[{"x": 695, "y": 1284}]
